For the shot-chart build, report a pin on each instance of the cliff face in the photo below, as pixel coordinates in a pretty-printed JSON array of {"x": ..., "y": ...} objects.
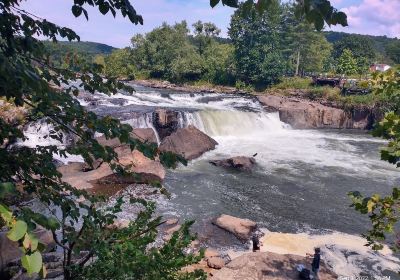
[{"x": 304, "y": 114}]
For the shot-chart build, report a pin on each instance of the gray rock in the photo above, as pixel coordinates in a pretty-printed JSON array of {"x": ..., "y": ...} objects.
[{"x": 239, "y": 162}]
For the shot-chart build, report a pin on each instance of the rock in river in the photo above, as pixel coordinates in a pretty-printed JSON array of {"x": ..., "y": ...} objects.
[
  {"x": 188, "y": 142},
  {"x": 239, "y": 162},
  {"x": 269, "y": 266},
  {"x": 241, "y": 228}
]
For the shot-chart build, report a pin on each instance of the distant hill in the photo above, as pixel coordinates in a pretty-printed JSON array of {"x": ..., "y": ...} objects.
[
  {"x": 86, "y": 50},
  {"x": 380, "y": 42}
]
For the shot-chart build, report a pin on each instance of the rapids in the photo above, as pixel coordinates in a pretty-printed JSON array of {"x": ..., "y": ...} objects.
[{"x": 298, "y": 191}]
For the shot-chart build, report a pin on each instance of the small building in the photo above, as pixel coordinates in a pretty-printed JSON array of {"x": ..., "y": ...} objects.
[{"x": 379, "y": 67}]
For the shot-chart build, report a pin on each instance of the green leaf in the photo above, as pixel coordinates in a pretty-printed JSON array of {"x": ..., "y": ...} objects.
[
  {"x": 32, "y": 263},
  {"x": 30, "y": 242},
  {"x": 6, "y": 188},
  {"x": 103, "y": 8},
  {"x": 76, "y": 10},
  {"x": 17, "y": 231},
  {"x": 214, "y": 3}
]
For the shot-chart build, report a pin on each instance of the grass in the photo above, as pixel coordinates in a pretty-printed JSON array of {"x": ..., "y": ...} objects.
[{"x": 302, "y": 87}]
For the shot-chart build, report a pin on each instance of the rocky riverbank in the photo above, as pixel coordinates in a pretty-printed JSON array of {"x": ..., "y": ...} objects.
[
  {"x": 305, "y": 114},
  {"x": 297, "y": 109}
]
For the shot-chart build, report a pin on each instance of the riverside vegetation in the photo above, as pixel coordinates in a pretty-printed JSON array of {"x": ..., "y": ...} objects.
[{"x": 28, "y": 79}]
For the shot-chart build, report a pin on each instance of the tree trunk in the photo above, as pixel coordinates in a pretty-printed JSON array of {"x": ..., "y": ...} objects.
[{"x": 297, "y": 63}]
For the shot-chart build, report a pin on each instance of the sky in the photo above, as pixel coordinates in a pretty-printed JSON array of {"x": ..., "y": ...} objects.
[{"x": 374, "y": 17}]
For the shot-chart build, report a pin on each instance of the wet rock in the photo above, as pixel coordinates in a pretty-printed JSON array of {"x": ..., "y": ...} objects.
[
  {"x": 10, "y": 250},
  {"x": 239, "y": 162},
  {"x": 267, "y": 266},
  {"x": 165, "y": 122},
  {"x": 144, "y": 134},
  {"x": 169, "y": 232},
  {"x": 145, "y": 171},
  {"x": 209, "y": 253},
  {"x": 215, "y": 262},
  {"x": 241, "y": 228},
  {"x": 120, "y": 224},
  {"x": 95, "y": 164},
  {"x": 188, "y": 142},
  {"x": 172, "y": 221},
  {"x": 304, "y": 114}
]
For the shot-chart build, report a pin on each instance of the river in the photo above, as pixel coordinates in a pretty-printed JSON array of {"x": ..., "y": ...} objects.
[{"x": 296, "y": 193}]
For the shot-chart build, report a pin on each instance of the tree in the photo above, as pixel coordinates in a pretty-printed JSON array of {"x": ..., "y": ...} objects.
[
  {"x": 28, "y": 79},
  {"x": 204, "y": 34},
  {"x": 256, "y": 39},
  {"x": 361, "y": 47},
  {"x": 393, "y": 51},
  {"x": 119, "y": 64},
  {"x": 166, "y": 53},
  {"x": 347, "y": 64},
  {"x": 306, "y": 49}
]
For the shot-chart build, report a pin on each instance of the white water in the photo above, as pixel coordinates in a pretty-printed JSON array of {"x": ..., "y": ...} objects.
[{"x": 311, "y": 160}]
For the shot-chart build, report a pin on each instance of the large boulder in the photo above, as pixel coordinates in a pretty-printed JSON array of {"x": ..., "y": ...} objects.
[
  {"x": 9, "y": 250},
  {"x": 143, "y": 134},
  {"x": 188, "y": 142},
  {"x": 304, "y": 114},
  {"x": 269, "y": 266},
  {"x": 146, "y": 171},
  {"x": 239, "y": 162},
  {"x": 241, "y": 228}
]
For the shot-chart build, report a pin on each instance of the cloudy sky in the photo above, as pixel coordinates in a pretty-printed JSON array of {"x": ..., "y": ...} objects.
[{"x": 375, "y": 17}]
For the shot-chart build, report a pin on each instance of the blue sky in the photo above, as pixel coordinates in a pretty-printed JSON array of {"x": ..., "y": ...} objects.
[{"x": 375, "y": 17}]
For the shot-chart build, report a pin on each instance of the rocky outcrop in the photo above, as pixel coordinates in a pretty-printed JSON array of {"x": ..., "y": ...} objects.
[
  {"x": 9, "y": 250},
  {"x": 304, "y": 114},
  {"x": 143, "y": 134},
  {"x": 239, "y": 162},
  {"x": 188, "y": 142},
  {"x": 165, "y": 122},
  {"x": 241, "y": 228},
  {"x": 145, "y": 171},
  {"x": 188, "y": 88},
  {"x": 269, "y": 266}
]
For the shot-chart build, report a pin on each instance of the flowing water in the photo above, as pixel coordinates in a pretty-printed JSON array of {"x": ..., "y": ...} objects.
[{"x": 298, "y": 190}]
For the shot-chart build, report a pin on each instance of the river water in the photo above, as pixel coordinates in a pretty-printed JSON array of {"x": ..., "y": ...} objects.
[{"x": 297, "y": 192}]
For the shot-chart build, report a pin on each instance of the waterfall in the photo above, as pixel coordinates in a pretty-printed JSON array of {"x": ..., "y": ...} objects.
[{"x": 236, "y": 123}]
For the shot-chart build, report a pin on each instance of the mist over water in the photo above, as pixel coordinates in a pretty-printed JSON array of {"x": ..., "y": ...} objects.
[{"x": 298, "y": 189}]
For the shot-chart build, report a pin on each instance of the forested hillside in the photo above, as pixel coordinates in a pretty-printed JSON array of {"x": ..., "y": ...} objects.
[
  {"x": 383, "y": 45},
  {"x": 59, "y": 53}
]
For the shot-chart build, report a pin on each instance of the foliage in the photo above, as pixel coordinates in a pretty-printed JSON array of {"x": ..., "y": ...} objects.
[
  {"x": 256, "y": 39},
  {"x": 393, "y": 51},
  {"x": 117, "y": 64},
  {"x": 307, "y": 50},
  {"x": 384, "y": 211},
  {"x": 347, "y": 64},
  {"x": 59, "y": 52},
  {"x": 28, "y": 79},
  {"x": 166, "y": 53},
  {"x": 362, "y": 49},
  {"x": 379, "y": 43},
  {"x": 317, "y": 12}
]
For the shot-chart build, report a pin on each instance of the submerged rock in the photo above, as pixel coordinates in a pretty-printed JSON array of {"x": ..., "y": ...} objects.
[
  {"x": 188, "y": 142},
  {"x": 241, "y": 228},
  {"x": 304, "y": 114},
  {"x": 239, "y": 162},
  {"x": 269, "y": 266}
]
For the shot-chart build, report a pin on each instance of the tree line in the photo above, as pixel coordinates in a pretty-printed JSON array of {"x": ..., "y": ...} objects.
[{"x": 261, "y": 49}]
